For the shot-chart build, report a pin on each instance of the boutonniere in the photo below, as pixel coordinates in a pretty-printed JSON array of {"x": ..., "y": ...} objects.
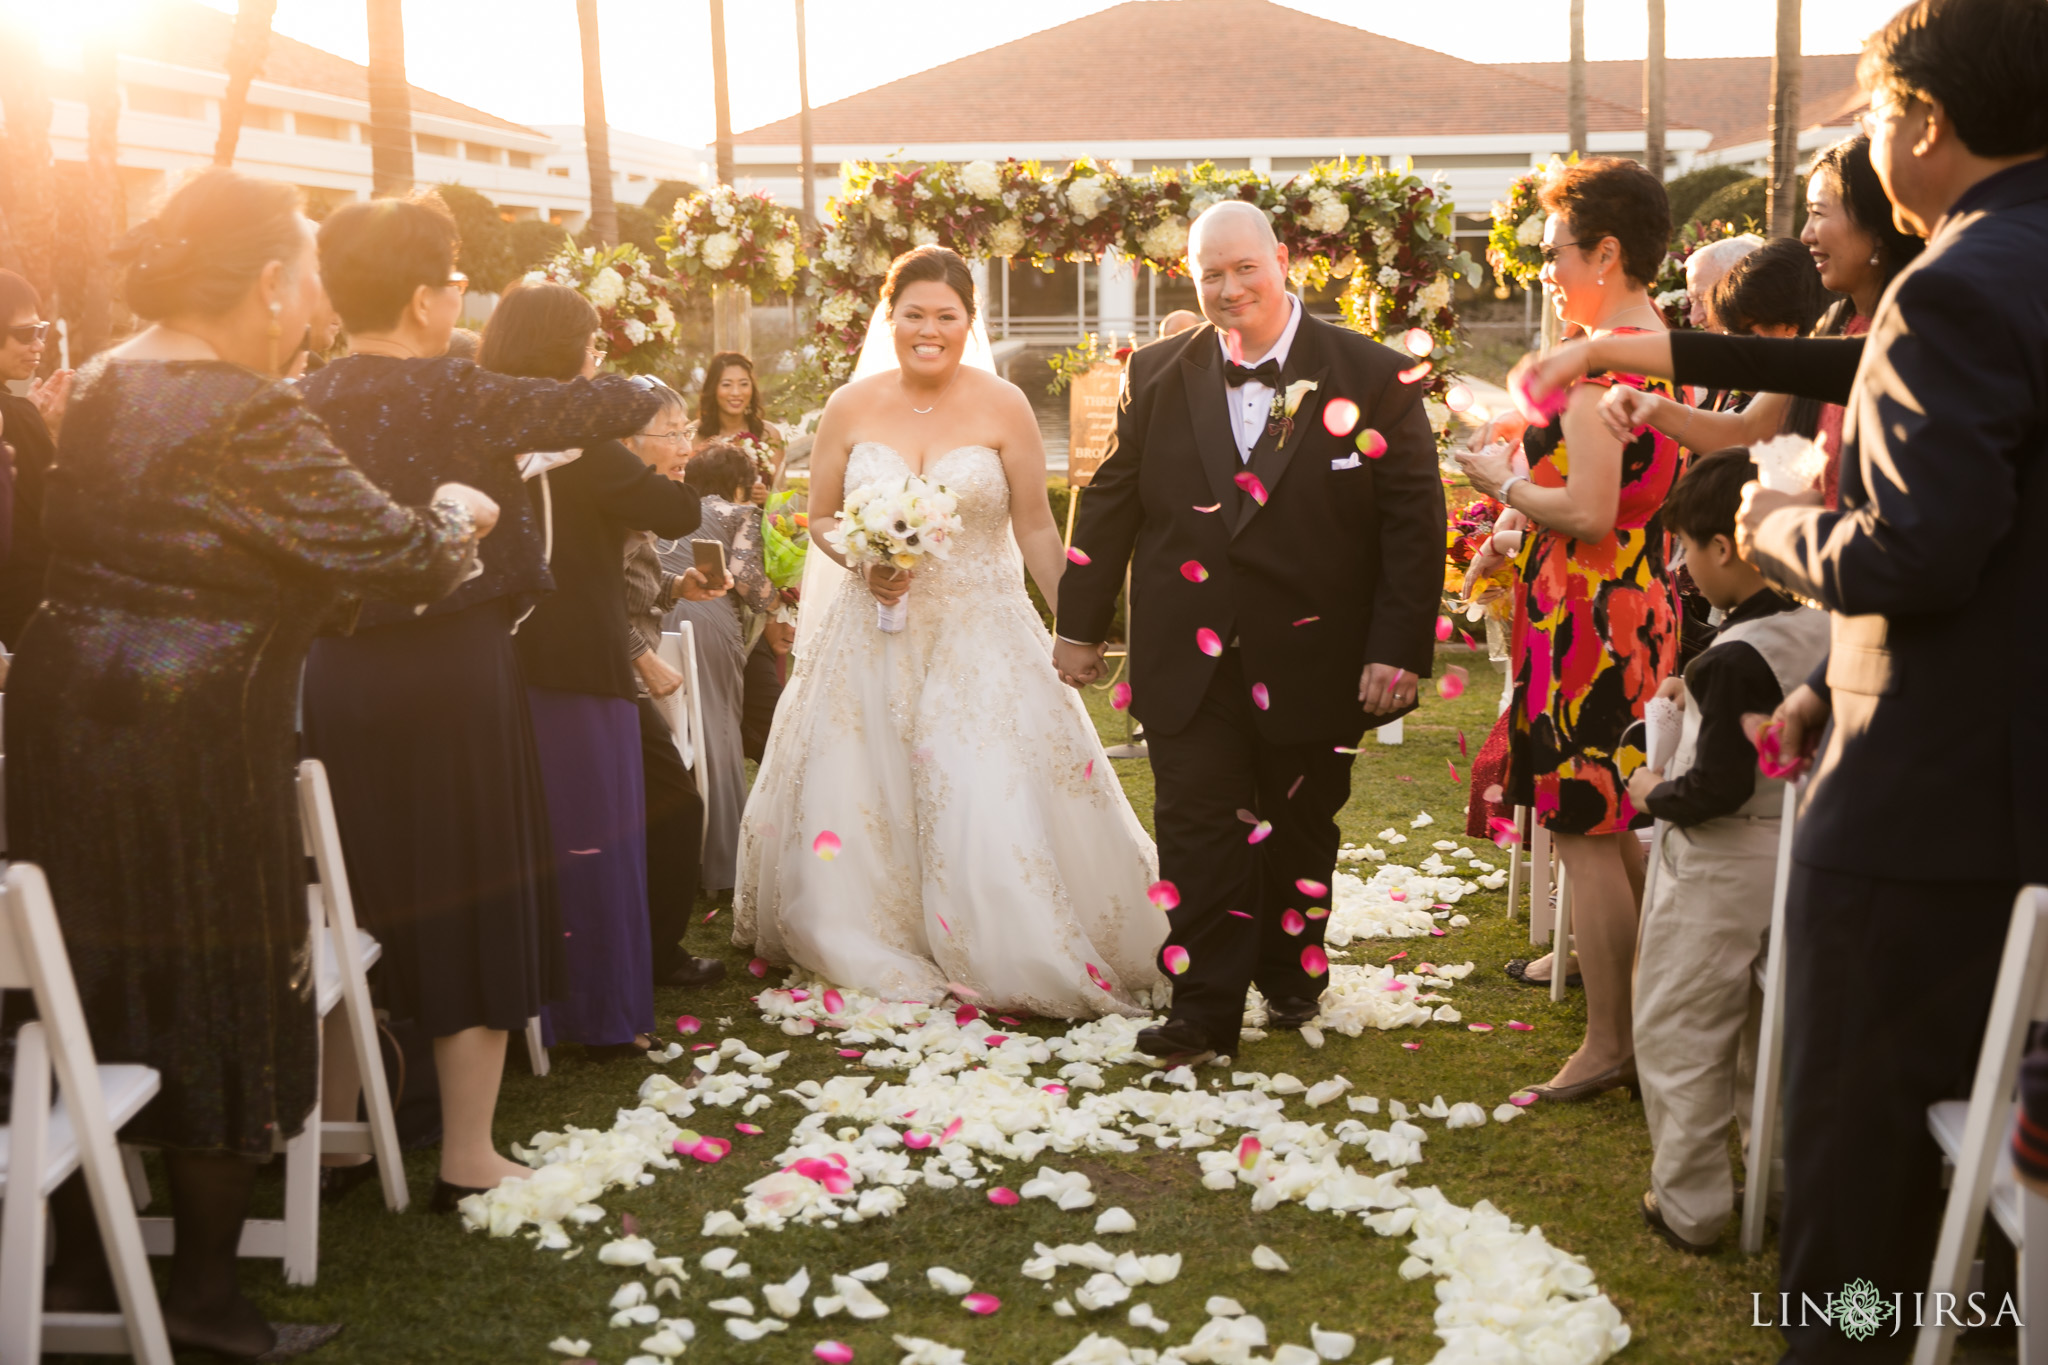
[{"x": 1286, "y": 404}]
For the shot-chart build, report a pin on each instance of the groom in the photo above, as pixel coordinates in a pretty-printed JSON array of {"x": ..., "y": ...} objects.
[{"x": 1285, "y": 589}]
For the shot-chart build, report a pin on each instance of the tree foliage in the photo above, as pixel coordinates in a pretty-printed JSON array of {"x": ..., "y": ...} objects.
[{"x": 1687, "y": 192}]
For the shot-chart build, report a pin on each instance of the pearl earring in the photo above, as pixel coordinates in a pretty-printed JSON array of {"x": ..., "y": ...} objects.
[
  {"x": 1873, "y": 258},
  {"x": 1601, "y": 281}
]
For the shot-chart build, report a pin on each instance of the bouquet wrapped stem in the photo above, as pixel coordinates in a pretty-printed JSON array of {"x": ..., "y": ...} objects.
[{"x": 895, "y": 524}]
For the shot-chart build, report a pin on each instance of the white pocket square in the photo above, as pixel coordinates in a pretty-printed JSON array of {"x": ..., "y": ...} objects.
[{"x": 1348, "y": 462}]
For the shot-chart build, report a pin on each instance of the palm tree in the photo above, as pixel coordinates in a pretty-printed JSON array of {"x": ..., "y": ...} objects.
[
  {"x": 720, "y": 96},
  {"x": 1781, "y": 198},
  {"x": 91, "y": 315},
  {"x": 28, "y": 189},
  {"x": 597, "y": 134},
  {"x": 391, "y": 169},
  {"x": 245, "y": 59},
  {"x": 803, "y": 96},
  {"x": 1653, "y": 91},
  {"x": 1575, "y": 82}
]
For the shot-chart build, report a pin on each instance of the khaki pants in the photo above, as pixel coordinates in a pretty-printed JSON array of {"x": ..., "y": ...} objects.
[{"x": 1697, "y": 1009}]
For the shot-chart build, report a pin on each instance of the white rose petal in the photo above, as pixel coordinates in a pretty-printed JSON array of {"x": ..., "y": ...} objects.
[
  {"x": 630, "y": 1294},
  {"x": 1331, "y": 1345},
  {"x": 1062, "y": 1308},
  {"x": 722, "y": 1223},
  {"x": 1265, "y": 1258},
  {"x": 626, "y": 1251},
  {"x": 919, "y": 1351},
  {"x": 1102, "y": 1291},
  {"x": 1113, "y": 1221},
  {"x": 949, "y": 1282},
  {"x": 1221, "y": 1307},
  {"x": 860, "y": 1300},
  {"x": 1143, "y": 1316},
  {"x": 568, "y": 1347},
  {"x": 738, "y": 1306},
  {"x": 871, "y": 1274},
  {"x": 718, "y": 1258},
  {"x": 786, "y": 1300},
  {"x": 1290, "y": 1354}
]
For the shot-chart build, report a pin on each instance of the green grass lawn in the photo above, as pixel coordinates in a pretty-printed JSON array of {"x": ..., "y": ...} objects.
[{"x": 417, "y": 1288}]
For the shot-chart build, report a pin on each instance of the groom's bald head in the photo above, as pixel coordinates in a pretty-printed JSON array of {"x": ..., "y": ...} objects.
[{"x": 1240, "y": 269}]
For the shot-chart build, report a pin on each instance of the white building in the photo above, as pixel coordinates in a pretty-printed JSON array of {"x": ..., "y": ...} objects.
[
  {"x": 639, "y": 163},
  {"x": 308, "y": 123}
]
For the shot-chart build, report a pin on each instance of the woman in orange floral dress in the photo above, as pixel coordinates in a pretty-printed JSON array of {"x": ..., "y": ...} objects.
[{"x": 1596, "y": 626}]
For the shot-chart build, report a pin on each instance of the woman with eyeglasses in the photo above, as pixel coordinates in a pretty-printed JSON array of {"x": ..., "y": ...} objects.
[
  {"x": 30, "y": 425},
  {"x": 573, "y": 653},
  {"x": 1596, "y": 629},
  {"x": 421, "y": 716}
]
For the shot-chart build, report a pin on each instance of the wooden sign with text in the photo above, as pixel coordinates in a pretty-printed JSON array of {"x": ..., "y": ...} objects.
[{"x": 1091, "y": 421}]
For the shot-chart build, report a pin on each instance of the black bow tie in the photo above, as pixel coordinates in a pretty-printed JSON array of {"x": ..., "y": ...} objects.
[{"x": 1266, "y": 372}]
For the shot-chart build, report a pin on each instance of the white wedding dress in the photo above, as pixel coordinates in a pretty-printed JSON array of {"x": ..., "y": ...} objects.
[{"x": 984, "y": 841}]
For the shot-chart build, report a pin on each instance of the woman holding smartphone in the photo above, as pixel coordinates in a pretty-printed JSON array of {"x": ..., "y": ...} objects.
[
  {"x": 573, "y": 654},
  {"x": 729, "y": 537}
]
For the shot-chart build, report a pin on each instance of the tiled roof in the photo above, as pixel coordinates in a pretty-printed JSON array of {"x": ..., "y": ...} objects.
[
  {"x": 193, "y": 35},
  {"x": 1727, "y": 96},
  {"x": 1828, "y": 109},
  {"x": 1148, "y": 69}
]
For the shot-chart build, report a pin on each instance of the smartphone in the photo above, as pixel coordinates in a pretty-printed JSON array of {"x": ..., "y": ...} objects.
[{"x": 710, "y": 560}]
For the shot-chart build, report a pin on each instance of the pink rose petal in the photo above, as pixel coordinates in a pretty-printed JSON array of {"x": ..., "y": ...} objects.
[
  {"x": 1306, "y": 619},
  {"x": 1088, "y": 770},
  {"x": 1248, "y": 1149},
  {"x": 1193, "y": 571},
  {"x": 1295, "y": 786},
  {"x": 1451, "y": 685},
  {"x": 1314, "y": 960},
  {"x": 1480, "y": 1028},
  {"x": 1260, "y": 832},
  {"x": 1053, "y": 1088},
  {"x": 1344, "y": 749},
  {"x": 1371, "y": 444},
  {"x": 710, "y": 1149},
  {"x": 759, "y": 967},
  {"x": 1175, "y": 957},
  {"x": 629, "y": 1225},
  {"x": 1457, "y": 397},
  {"x": 1209, "y": 642},
  {"x": 1770, "y": 753},
  {"x": 1395, "y": 986},
  {"x": 1461, "y": 745},
  {"x": 1418, "y": 341},
  {"x": 1291, "y": 921},
  {"x": 1249, "y": 482},
  {"x": 1503, "y": 831},
  {"x": 1240, "y": 914},
  {"x": 833, "y": 1001},
  {"x": 1261, "y": 698},
  {"x": 1520, "y": 1027},
  {"x": 751, "y": 1130},
  {"x": 1454, "y": 769},
  {"x": 1308, "y": 886},
  {"x": 1538, "y": 410},
  {"x": 917, "y": 1142},
  {"x": 1443, "y": 628},
  {"x": 1522, "y": 1099},
  {"x": 1003, "y": 1195},
  {"x": 833, "y": 1352},
  {"x": 983, "y": 1304},
  {"x": 1233, "y": 345},
  {"x": 1165, "y": 895},
  {"x": 1438, "y": 933},
  {"x": 799, "y": 995},
  {"x": 1397, "y": 895},
  {"x": 1006, "y": 1019},
  {"x": 711, "y": 915},
  {"x": 1095, "y": 975},
  {"x": 1247, "y": 816},
  {"x": 1340, "y": 415},
  {"x": 826, "y": 845},
  {"x": 1415, "y": 373},
  {"x": 1412, "y": 1047},
  {"x": 1398, "y": 956},
  {"x": 1493, "y": 794},
  {"x": 687, "y": 1024},
  {"x": 963, "y": 991},
  {"x": 995, "y": 1039},
  {"x": 1466, "y": 636},
  {"x": 1120, "y": 696},
  {"x": 1212, "y": 507},
  {"x": 951, "y": 1131},
  {"x": 1077, "y": 555},
  {"x": 965, "y": 1015},
  {"x": 851, "y": 1052}
]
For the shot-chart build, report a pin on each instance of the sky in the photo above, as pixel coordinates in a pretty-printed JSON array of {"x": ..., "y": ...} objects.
[{"x": 519, "y": 58}]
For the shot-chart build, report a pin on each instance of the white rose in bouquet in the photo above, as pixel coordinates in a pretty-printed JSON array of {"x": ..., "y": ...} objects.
[
  {"x": 896, "y": 524},
  {"x": 882, "y": 209},
  {"x": 783, "y": 254},
  {"x": 636, "y": 331},
  {"x": 1087, "y": 197},
  {"x": 606, "y": 288},
  {"x": 1006, "y": 238},
  {"x": 721, "y": 209},
  {"x": 719, "y": 249},
  {"x": 1433, "y": 297},
  {"x": 1166, "y": 239},
  {"x": 1327, "y": 213},
  {"x": 1531, "y": 230},
  {"x": 838, "y": 252},
  {"x": 981, "y": 179}
]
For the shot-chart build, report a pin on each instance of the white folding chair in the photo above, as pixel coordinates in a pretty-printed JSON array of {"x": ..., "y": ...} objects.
[
  {"x": 1515, "y": 860},
  {"x": 1541, "y": 870},
  {"x": 1972, "y": 1134},
  {"x": 342, "y": 956},
  {"x": 1561, "y": 937},
  {"x": 44, "y": 1143},
  {"x": 1759, "y": 1158},
  {"x": 684, "y": 708}
]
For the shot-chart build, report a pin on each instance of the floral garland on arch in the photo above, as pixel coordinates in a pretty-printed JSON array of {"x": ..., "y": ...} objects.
[
  {"x": 1385, "y": 230},
  {"x": 722, "y": 236},
  {"x": 634, "y": 305}
]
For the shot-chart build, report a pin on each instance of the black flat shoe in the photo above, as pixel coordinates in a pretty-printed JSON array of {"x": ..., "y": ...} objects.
[
  {"x": 447, "y": 1196},
  {"x": 1175, "y": 1043},
  {"x": 695, "y": 973},
  {"x": 1292, "y": 1013},
  {"x": 337, "y": 1182},
  {"x": 1654, "y": 1216},
  {"x": 1518, "y": 970},
  {"x": 1613, "y": 1078}
]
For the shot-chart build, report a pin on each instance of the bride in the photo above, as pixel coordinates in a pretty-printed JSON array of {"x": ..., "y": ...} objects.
[{"x": 985, "y": 846}]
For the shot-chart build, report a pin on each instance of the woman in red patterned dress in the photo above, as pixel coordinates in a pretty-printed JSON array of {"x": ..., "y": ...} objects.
[{"x": 1596, "y": 627}]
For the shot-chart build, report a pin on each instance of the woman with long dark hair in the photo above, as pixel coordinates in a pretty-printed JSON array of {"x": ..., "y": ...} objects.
[
  {"x": 201, "y": 525},
  {"x": 574, "y": 655},
  {"x": 730, "y": 406},
  {"x": 421, "y": 716}
]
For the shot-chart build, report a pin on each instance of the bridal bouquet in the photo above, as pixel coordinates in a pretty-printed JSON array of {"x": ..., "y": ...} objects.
[{"x": 895, "y": 523}]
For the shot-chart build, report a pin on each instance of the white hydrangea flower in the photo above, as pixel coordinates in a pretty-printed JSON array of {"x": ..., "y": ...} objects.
[
  {"x": 783, "y": 256},
  {"x": 1006, "y": 239},
  {"x": 1531, "y": 230},
  {"x": 1087, "y": 197},
  {"x": 1388, "y": 277},
  {"x": 607, "y": 289},
  {"x": 1165, "y": 240},
  {"x": 719, "y": 250},
  {"x": 837, "y": 311},
  {"x": 981, "y": 179},
  {"x": 636, "y": 331},
  {"x": 921, "y": 235},
  {"x": 1327, "y": 213},
  {"x": 1433, "y": 297}
]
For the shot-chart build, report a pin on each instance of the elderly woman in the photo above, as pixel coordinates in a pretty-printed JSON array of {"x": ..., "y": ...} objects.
[
  {"x": 1596, "y": 628},
  {"x": 201, "y": 527},
  {"x": 421, "y": 716},
  {"x": 724, "y": 476}
]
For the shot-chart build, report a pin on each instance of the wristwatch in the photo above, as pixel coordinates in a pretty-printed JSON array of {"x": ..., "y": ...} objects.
[{"x": 1508, "y": 483}]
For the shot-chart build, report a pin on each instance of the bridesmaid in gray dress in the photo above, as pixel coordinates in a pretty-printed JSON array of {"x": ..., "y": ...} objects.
[{"x": 725, "y": 477}]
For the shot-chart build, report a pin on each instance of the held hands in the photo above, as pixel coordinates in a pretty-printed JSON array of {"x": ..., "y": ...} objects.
[
  {"x": 1077, "y": 665},
  {"x": 692, "y": 586},
  {"x": 1383, "y": 688},
  {"x": 655, "y": 673},
  {"x": 887, "y": 582},
  {"x": 482, "y": 509}
]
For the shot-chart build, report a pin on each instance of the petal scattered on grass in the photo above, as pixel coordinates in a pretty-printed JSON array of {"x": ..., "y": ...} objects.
[
  {"x": 1265, "y": 1258},
  {"x": 833, "y": 1352},
  {"x": 1248, "y": 1149},
  {"x": 1193, "y": 571},
  {"x": 1176, "y": 959},
  {"x": 688, "y": 1023},
  {"x": 1077, "y": 555},
  {"x": 1412, "y": 1047},
  {"x": 1522, "y": 1099},
  {"x": 1480, "y": 1028},
  {"x": 951, "y": 1131},
  {"x": 751, "y": 1130},
  {"x": 1520, "y": 1027},
  {"x": 983, "y": 1304},
  {"x": 758, "y": 967},
  {"x": 1340, "y": 415},
  {"x": 826, "y": 845},
  {"x": 833, "y": 1001},
  {"x": 1002, "y": 1194}
]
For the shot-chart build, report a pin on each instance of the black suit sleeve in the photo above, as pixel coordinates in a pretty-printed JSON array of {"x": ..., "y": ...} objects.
[
  {"x": 1726, "y": 682},
  {"x": 1112, "y": 510},
  {"x": 1408, "y": 498},
  {"x": 626, "y": 491},
  {"x": 519, "y": 414},
  {"x": 1938, "y": 422},
  {"x": 1805, "y": 367}
]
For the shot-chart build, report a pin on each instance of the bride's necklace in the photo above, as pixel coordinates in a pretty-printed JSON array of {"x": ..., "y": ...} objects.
[{"x": 936, "y": 401}]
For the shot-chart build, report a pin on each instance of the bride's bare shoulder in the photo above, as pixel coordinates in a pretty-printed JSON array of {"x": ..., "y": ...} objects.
[
  {"x": 986, "y": 386},
  {"x": 857, "y": 395}
]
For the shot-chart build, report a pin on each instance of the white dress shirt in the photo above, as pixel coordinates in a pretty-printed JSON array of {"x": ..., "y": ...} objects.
[{"x": 1252, "y": 404}]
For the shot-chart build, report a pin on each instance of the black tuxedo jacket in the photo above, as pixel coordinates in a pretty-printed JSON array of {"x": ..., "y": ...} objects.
[
  {"x": 1933, "y": 562},
  {"x": 1342, "y": 566}
]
